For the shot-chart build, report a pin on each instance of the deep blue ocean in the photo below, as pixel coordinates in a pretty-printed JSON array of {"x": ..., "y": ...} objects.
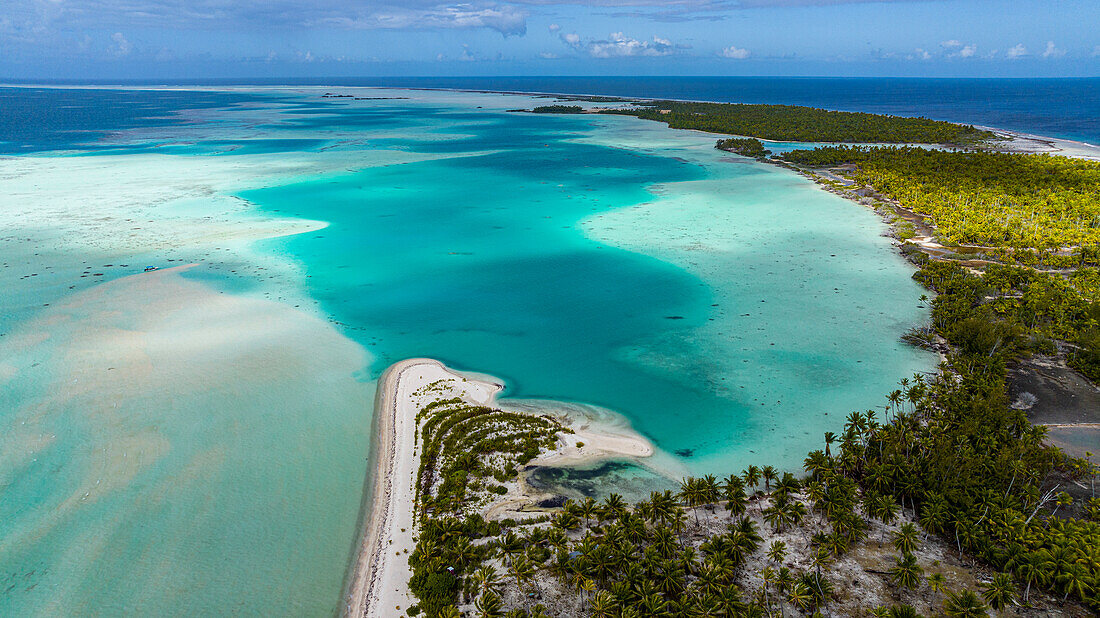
[{"x": 1065, "y": 108}]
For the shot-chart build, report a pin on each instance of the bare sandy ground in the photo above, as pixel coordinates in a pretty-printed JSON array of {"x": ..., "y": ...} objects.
[{"x": 1016, "y": 141}]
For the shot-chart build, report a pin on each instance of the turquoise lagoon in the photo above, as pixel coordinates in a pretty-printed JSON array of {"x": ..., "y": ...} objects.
[{"x": 729, "y": 310}]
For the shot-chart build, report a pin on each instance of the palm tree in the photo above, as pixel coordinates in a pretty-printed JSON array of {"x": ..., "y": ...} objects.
[
  {"x": 964, "y": 604},
  {"x": 1031, "y": 569},
  {"x": 907, "y": 573},
  {"x": 769, "y": 474},
  {"x": 736, "y": 501},
  {"x": 905, "y": 539},
  {"x": 816, "y": 463},
  {"x": 751, "y": 476},
  {"x": 522, "y": 570},
  {"x": 654, "y": 605},
  {"x": 586, "y": 509},
  {"x": 1000, "y": 592},
  {"x": 604, "y": 605},
  {"x": 709, "y": 489},
  {"x": 486, "y": 580},
  {"x": 800, "y": 596},
  {"x": 934, "y": 514},
  {"x": 489, "y": 605},
  {"x": 777, "y": 552},
  {"x": 692, "y": 494},
  {"x": 614, "y": 505},
  {"x": 937, "y": 583},
  {"x": 1074, "y": 580},
  {"x": 886, "y": 510},
  {"x": 830, "y": 438}
]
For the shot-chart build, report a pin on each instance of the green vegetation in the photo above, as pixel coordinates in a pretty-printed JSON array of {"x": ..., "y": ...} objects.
[
  {"x": 804, "y": 124},
  {"x": 462, "y": 446},
  {"x": 746, "y": 147},
  {"x": 948, "y": 456},
  {"x": 558, "y": 109},
  {"x": 1030, "y": 205}
]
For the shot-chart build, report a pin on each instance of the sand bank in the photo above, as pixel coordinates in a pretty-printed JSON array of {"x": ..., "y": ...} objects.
[
  {"x": 1016, "y": 141},
  {"x": 378, "y": 585},
  {"x": 378, "y": 582}
]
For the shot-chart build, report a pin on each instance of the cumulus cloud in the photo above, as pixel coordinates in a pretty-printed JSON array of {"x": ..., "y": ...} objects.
[
  {"x": 547, "y": 55},
  {"x": 957, "y": 49},
  {"x": 737, "y": 53},
  {"x": 1016, "y": 51},
  {"x": 467, "y": 55},
  {"x": 920, "y": 54},
  {"x": 119, "y": 46},
  {"x": 1053, "y": 52},
  {"x": 618, "y": 45},
  {"x": 553, "y": 27}
]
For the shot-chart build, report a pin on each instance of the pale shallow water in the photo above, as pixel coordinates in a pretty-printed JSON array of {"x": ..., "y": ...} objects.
[{"x": 730, "y": 310}]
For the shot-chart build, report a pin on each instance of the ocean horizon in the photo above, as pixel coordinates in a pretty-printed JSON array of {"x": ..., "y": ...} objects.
[{"x": 1061, "y": 107}]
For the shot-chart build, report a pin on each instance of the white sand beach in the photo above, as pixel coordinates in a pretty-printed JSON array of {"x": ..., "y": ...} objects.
[
  {"x": 378, "y": 585},
  {"x": 1016, "y": 141}
]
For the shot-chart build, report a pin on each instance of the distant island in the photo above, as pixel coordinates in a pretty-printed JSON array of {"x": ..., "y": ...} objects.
[{"x": 791, "y": 122}]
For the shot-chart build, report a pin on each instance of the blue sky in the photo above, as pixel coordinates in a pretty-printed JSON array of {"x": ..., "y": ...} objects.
[{"x": 98, "y": 39}]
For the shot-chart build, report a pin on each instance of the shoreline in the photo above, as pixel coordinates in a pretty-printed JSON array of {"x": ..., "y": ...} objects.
[
  {"x": 394, "y": 457},
  {"x": 378, "y": 576}
]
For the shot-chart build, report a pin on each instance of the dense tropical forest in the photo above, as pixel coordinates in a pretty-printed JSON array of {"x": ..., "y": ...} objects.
[
  {"x": 803, "y": 124},
  {"x": 944, "y": 501},
  {"x": 744, "y": 146},
  {"x": 1039, "y": 203},
  {"x": 558, "y": 109}
]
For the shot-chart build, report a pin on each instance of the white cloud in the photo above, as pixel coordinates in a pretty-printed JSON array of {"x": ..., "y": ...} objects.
[
  {"x": 735, "y": 52},
  {"x": 1053, "y": 52},
  {"x": 955, "y": 48},
  {"x": 505, "y": 20},
  {"x": 618, "y": 45},
  {"x": 1017, "y": 51},
  {"x": 554, "y": 27},
  {"x": 120, "y": 46},
  {"x": 466, "y": 56},
  {"x": 919, "y": 54},
  {"x": 547, "y": 55}
]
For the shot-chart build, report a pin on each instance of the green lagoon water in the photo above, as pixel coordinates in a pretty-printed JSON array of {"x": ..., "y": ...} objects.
[{"x": 730, "y": 310}]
